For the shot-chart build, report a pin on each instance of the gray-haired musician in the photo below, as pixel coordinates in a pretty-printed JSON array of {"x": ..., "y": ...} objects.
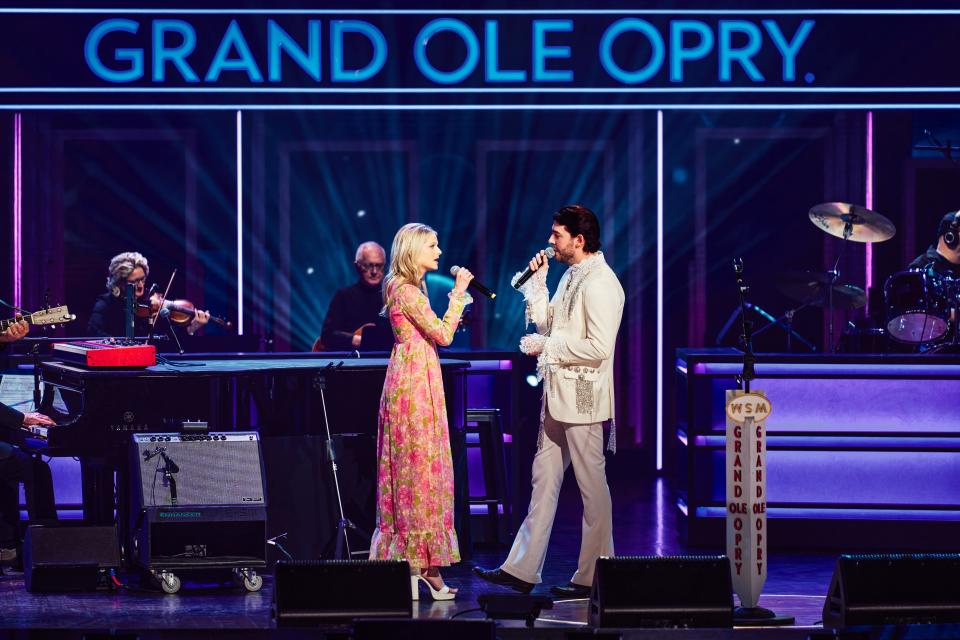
[{"x": 107, "y": 317}]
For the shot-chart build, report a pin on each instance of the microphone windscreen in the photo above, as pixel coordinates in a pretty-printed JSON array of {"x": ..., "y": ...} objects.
[
  {"x": 550, "y": 252},
  {"x": 454, "y": 269}
]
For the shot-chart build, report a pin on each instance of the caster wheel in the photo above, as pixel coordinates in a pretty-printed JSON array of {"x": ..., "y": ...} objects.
[
  {"x": 169, "y": 583},
  {"x": 253, "y": 583}
]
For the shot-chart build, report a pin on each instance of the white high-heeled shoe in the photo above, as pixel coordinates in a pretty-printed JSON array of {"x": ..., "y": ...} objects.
[{"x": 443, "y": 594}]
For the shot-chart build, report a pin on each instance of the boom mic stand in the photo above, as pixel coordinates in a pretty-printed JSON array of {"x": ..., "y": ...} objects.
[
  {"x": 749, "y": 359},
  {"x": 344, "y": 526}
]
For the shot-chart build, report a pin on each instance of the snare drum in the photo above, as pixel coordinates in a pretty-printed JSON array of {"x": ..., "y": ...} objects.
[{"x": 918, "y": 306}]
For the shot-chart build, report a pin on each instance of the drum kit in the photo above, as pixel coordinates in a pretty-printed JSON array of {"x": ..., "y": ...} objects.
[{"x": 920, "y": 305}]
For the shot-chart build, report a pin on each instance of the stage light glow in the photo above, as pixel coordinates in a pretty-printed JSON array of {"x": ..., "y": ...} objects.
[
  {"x": 239, "y": 223},
  {"x": 660, "y": 363},
  {"x": 846, "y": 106},
  {"x": 532, "y": 380},
  {"x": 17, "y": 211},
  {"x": 868, "y": 202}
]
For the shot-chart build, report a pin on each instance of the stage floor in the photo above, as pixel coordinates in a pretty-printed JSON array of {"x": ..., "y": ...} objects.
[{"x": 645, "y": 523}]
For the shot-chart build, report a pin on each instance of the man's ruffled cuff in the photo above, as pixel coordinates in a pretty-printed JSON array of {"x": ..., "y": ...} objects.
[
  {"x": 549, "y": 357},
  {"x": 534, "y": 289},
  {"x": 532, "y": 344}
]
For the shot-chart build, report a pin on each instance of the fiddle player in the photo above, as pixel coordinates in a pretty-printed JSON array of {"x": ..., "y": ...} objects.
[
  {"x": 16, "y": 466},
  {"x": 107, "y": 317},
  {"x": 944, "y": 258},
  {"x": 353, "y": 320}
]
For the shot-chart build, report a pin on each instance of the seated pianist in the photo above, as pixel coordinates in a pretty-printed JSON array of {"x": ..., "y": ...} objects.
[
  {"x": 18, "y": 466},
  {"x": 353, "y": 321},
  {"x": 109, "y": 313}
]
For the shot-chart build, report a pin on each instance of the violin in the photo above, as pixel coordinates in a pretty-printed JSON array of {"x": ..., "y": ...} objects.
[{"x": 181, "y": 311}]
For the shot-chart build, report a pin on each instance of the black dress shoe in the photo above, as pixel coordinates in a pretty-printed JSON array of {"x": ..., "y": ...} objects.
[
  {"x": 504, "y": 579},
  {"x": 571, "y": 590}
]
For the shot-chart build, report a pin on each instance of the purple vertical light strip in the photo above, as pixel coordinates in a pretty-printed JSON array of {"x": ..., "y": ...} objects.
[
  {"x": 660, "y": 363},
  {"x": 17, "y": 212},
  {"x": 239, "y": 223},
  {"x": 868, "y": 200}
]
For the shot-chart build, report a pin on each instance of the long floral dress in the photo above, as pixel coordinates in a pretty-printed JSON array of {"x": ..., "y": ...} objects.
[{"x": 415, "y": 470}]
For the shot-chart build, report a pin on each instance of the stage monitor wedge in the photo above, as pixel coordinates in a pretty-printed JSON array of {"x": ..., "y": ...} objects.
[
  {"x": 310, "y": 593},
  {"x": 60, "y": 558},
  {"x": 662, "y": 591},
  {"x": 882, "y": 589}
]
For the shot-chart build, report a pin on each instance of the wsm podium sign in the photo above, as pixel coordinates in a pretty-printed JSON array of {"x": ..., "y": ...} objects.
[{"x": 746, "y": 469}]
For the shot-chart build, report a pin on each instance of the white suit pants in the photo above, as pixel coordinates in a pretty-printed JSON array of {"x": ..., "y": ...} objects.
[{"x": 563, "y": 444}]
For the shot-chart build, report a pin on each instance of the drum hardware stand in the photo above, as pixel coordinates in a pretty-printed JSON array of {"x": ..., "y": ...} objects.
[
  {"x": 935, "y": 145},
  {"x": 786, "y": 323},
  {"x": 834, "y": 273},
  {"x": 344, "y": 526}
]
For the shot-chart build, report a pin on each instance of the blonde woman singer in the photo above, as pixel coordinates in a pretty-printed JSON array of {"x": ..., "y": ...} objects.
[{"x": 415, "y": 472}]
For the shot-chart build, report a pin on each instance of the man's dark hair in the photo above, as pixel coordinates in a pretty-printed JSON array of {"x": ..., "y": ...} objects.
[{"x": 580, "y": 221}]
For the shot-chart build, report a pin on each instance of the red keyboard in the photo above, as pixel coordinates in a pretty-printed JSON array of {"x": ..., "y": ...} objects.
[{"x": 108, "y": 353}]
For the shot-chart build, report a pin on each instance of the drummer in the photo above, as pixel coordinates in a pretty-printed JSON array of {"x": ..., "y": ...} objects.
[{"x": 944, "y": 258}]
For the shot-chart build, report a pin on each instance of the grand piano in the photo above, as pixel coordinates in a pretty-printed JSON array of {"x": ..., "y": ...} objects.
[{"x": 276, "y": 394}]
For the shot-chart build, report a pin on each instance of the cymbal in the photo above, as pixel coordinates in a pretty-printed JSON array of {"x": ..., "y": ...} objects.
[
  {"x": 810, "y": 287},
  {"x": 858, "y": 223}
]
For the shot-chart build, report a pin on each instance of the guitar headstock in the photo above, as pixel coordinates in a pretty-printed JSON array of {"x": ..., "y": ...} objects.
[{"x": 54, "y": 315}]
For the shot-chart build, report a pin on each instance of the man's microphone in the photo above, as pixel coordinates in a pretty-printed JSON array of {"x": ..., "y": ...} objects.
[
  {"x": 474, "y": 284},
  {"x": 529, "y": 272}
]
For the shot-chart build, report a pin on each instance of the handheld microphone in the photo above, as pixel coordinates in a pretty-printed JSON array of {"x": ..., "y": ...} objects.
[
  {"x": 529, "y": 272},
  {"x": 474, "y": 284}
]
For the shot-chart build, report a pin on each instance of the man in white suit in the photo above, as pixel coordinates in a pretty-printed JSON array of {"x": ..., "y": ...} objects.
[{"x": 574, "y": 345}]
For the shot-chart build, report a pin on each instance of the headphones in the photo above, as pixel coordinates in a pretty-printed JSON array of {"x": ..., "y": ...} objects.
[{"x": 951, "y": 237}]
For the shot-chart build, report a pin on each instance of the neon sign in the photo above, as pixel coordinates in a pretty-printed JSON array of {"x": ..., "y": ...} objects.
[{"x": 124, "y": 50}]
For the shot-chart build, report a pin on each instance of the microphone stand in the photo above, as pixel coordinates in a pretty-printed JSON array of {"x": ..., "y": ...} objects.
[
  {"x": 749, "y": 359},
  {"x": 170, "y": 468},
  {"x": 344, "y": 526},
  {"x": 160, "y": 313}
]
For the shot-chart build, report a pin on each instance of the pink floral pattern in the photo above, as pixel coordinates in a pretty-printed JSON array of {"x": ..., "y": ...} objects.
[{"x": 415, "y": 471}]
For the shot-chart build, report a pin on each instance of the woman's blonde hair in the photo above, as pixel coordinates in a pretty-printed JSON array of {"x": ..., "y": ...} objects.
[{"x": 407, "y": 246}]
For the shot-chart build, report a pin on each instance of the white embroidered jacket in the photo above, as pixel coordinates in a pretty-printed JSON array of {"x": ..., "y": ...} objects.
[{"x": 581, "y": 323}]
